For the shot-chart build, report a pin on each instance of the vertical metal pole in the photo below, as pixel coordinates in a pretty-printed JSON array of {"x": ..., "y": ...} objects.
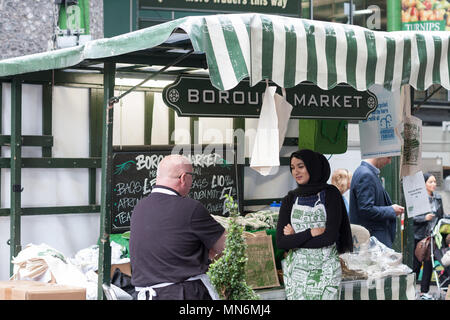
[
  {"x": 104, "y": 264},
  {"x": 148, "y": 117},
  {"x": 135, "y": 15},
  {"x": 311, "y": 9},
  {"x": 193, "y": 121},
  {"x": 406, "y": 239},
  {"x": 131, "y": 16},
  {"x": 392, "y": 185},
  {"x": 408, "y": 228},
  {"x": 239, "y": 124},
  {"x": 16, "y": 166},
  {"x": 394, "y": 20},
  {"x": 350, "y": 12},
  {"x": 1, "y": 126},
  {"x": 47, "y": 116},
  {"x": 95, "y": 137},
  {"x": 171, "y": 126}
]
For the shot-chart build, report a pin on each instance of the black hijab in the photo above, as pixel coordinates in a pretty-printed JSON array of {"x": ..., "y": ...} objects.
[
  {"x": 318, "y": 168},
  {"x": 319, "y": 172},
  {"x": 427, "y": 176}
]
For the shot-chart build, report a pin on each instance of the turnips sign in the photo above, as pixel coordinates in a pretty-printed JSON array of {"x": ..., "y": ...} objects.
[{"x": 195, "y": 96}]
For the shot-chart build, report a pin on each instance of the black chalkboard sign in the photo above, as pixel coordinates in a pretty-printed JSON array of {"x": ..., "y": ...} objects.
[{"x": 134, "y": 175}]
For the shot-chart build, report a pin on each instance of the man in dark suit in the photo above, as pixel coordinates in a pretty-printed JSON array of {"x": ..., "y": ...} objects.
[{"x": 370, "y": 205}]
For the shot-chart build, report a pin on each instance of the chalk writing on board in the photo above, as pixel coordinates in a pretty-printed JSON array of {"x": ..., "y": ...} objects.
[
  {"x": 123, "y": 166},
  {"x": 135, "y": 175}
]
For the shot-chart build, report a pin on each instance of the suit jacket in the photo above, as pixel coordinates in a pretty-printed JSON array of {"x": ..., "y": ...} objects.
[{"x": 370, "y": 204}]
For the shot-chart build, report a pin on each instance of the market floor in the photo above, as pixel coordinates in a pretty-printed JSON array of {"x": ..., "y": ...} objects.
[{"x": 433, "y": 291}]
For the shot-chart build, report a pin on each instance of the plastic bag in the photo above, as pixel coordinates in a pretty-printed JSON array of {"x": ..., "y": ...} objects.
[
  {"x": 32, "y": 263},
  {"x": 123, "y": 281},
  {"x": 45, "y": 264},
  {"x": 376, "y": 260}
]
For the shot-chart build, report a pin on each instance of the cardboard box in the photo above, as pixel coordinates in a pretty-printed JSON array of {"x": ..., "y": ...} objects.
[
  {"x": 35, "y": 290},
  {"x": 6, "y": 287}
]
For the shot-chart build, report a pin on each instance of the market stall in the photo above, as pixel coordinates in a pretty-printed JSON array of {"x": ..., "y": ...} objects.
[
  {"x": 371, "y": 272},
  {"x": 232, "y": 47}
]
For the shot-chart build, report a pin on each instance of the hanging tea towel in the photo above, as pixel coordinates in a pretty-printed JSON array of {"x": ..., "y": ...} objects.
[
  {"x": 284, "y": 110},
  {"x": 411, "y": 158},
  {"x": 272, "y": 127}
]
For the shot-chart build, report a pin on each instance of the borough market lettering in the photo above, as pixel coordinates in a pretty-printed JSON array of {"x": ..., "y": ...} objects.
[{"x": 195, "y": 96}]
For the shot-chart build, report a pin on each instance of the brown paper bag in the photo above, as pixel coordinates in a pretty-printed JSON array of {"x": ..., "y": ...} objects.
[{"x": 261, "y": 271}]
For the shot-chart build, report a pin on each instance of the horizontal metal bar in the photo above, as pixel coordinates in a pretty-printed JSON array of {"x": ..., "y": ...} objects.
[
  {"x": 95, "y": 162},
  {"x": 196, "y": 61},
  {"x": 53, "y": 210},
  {"x": 284, "y": 161},
  {"x": 290, "y": 141},
  {"x": 256, "y": 202},
  {"x": 29, "y": 141}
]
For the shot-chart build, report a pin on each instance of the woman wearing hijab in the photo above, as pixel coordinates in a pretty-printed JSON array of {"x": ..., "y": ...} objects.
[
  {"x": 423, "y": 227},
  {"x": 313, "y": 226}
]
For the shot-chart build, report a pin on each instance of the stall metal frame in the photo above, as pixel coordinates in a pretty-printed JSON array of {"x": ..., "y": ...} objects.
[{"x": 232, "y": 47}]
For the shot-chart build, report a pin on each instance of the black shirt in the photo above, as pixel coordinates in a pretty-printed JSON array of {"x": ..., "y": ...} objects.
[
  {"x": 337, "y": 228},
  {"x": 170, "y": 238}
]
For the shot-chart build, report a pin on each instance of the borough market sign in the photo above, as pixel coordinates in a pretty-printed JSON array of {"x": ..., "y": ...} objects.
[{"x": 195, "y": 96}]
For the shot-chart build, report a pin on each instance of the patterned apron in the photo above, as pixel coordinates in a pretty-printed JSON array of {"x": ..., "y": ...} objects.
[{"x": 311, "y": 274}]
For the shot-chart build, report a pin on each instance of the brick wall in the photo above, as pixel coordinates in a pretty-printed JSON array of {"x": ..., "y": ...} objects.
[{"x": 27, "y": 26}]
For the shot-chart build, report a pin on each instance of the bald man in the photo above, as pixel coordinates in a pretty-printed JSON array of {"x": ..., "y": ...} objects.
[{"x": 172, "y": 238}]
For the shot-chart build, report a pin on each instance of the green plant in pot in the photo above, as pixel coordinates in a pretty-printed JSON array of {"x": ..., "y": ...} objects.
[{"x": 227, "y": 273}]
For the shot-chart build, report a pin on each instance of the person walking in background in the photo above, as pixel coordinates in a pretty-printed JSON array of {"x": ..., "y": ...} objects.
[
  {"x": 423, "y": 227},
  {"x": 313, "y": 226},
  {"x": 370, "y": 204},
  {"x": 342, "y": 178}
]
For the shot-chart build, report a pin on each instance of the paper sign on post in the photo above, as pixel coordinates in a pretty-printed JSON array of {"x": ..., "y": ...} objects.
[
  {"x": 416, "y": 195},
  {"x": 378, "y": 133}
]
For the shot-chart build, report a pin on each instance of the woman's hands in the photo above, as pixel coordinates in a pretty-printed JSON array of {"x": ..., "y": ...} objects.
[
  {"x": 317, "y": 231},
  {"x": 288, "y": 230}
]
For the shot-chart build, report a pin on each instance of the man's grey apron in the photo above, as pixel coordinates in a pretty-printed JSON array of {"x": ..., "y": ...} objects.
[
  {"x": 203, "y": 277},
  {"x": 311, "y": 274}
]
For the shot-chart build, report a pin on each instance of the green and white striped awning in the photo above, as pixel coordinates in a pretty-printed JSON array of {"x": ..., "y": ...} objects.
[
  {"x": 282, "y": 49},
  {"x": 394, "y": 287}
]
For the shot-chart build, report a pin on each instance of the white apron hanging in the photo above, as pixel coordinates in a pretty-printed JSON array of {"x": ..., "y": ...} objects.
[{"x": 272, "y": 127}]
